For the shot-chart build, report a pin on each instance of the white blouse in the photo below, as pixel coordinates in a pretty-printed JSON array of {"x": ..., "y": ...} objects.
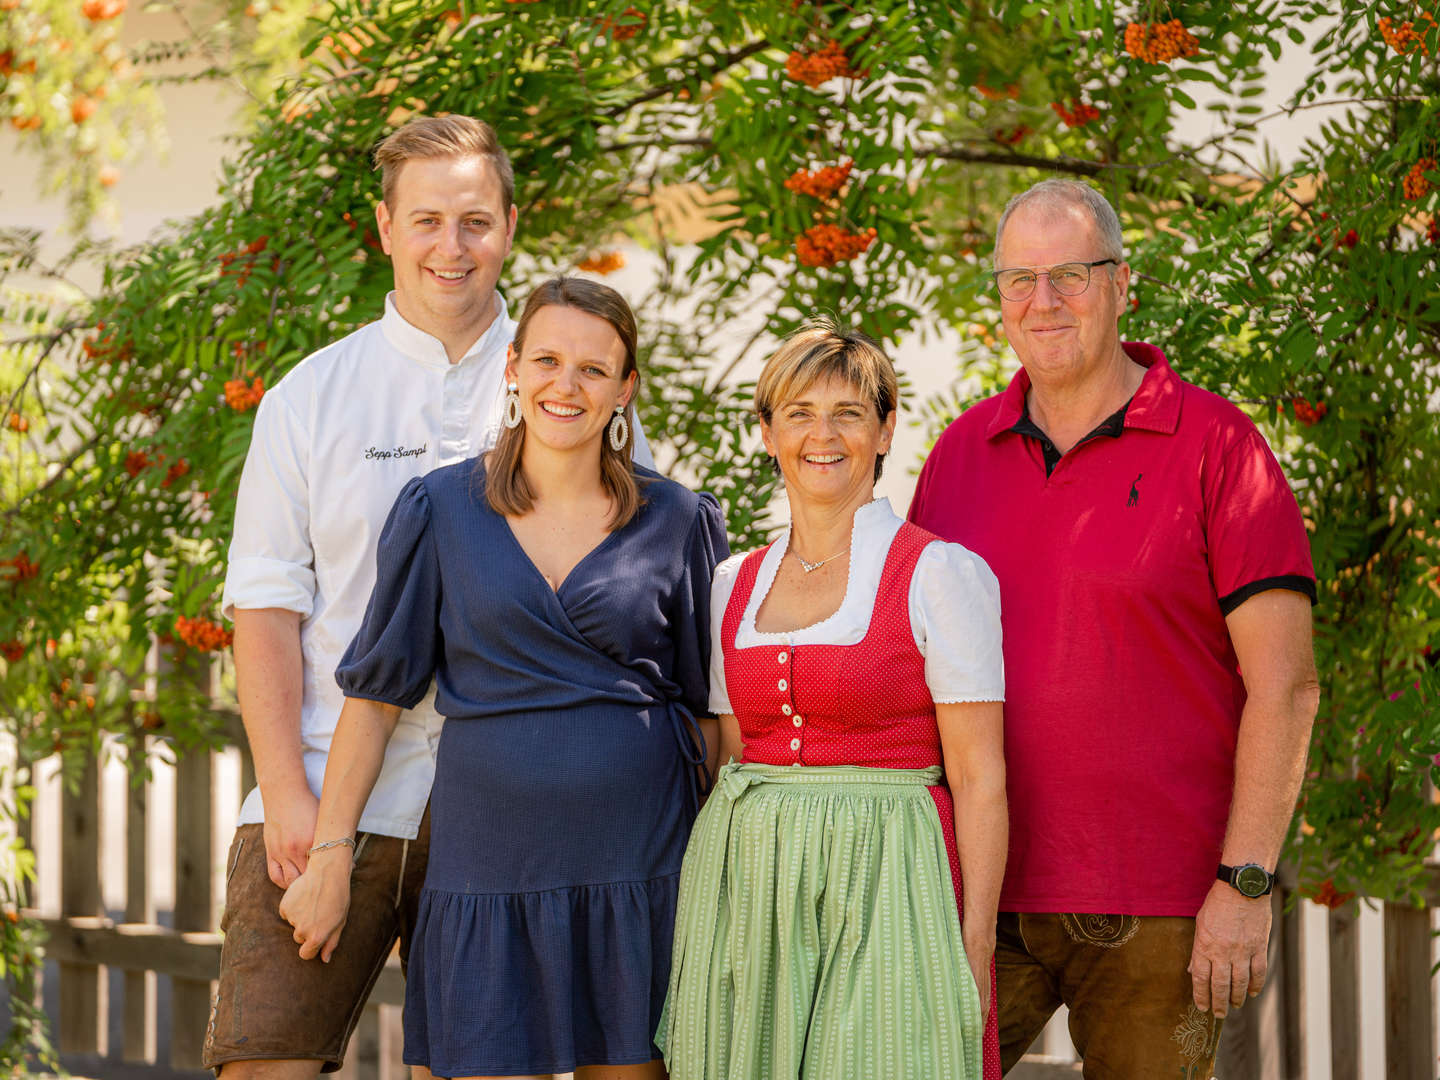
[{"x": 954, "y": 606}]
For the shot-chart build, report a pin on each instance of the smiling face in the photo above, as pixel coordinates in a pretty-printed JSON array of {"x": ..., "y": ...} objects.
[
  {"x": 1062, "y": 340},
  {"x": 570, "y": 371},
  {"x": 447, "y": 234},
  {"x": 826, "y": 441}
]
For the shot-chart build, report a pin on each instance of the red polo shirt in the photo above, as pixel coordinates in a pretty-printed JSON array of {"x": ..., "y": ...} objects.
[{"x": 1122, "y": 693}]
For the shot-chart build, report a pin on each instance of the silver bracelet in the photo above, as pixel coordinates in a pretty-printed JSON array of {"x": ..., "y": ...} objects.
[{"x": 345, "y": 841}]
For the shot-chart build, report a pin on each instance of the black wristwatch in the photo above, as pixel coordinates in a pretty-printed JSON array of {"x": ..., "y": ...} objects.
[{"x": 1248, "y": 879}]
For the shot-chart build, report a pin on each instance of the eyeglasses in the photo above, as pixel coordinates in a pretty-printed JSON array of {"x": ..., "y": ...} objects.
[{"x": 1067, "y": 279}]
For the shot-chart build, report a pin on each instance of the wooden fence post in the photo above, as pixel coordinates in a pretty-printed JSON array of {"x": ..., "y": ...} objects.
[
  {"x": 83, "y": 1002},
  {"x": 194, "y": 902},
  {"x": 140, "y": 1018},
  {"x": 1409, "y": 1003},
  {"x": 1297, "y": 963},
  {"x": 1344, "y": 994}
]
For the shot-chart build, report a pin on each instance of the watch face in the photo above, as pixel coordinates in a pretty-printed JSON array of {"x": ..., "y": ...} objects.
[{"x": 1252, "y": 880}]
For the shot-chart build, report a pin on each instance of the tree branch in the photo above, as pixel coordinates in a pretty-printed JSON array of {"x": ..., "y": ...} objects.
[
  {"x": 990, "y": 156},
  {"x": 727, "y": 60}
]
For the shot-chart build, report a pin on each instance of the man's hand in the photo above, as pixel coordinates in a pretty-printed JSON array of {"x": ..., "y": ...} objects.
[
  {"x": 318, "y": 903},
  {"x": 289, "y": 832},
  {"x": 1229, "y": 960}
]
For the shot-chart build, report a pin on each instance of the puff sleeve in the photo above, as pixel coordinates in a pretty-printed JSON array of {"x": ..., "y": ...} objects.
[
  {"x": 955, "y": 615},
  {"x": 396, "y": 650},
  {"x": 708, "y": 546}
]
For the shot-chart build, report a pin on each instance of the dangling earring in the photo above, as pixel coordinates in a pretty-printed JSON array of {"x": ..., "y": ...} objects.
[
  {"x": 512, "y": 405},
  {"x": 619, "y": 430}
]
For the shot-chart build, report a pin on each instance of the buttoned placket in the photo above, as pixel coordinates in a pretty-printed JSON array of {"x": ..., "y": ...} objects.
[{"x": 785, "y": 684}]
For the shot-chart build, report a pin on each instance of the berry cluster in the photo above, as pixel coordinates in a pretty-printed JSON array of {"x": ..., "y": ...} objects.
[
  {"x": 1012, "y": 136},
  {"x": 989, "y": 93},
  {"x": 82, "y": 108},
  {"x": 1308, "y": 414},
  {"x": 1405, "y": 38},
  {"x": 203, "y": 634},
  {"x": 100, "y": 10},
  {"x": 242, "y": 397},
  {"x": 826, "y": 245},
  {"x": 246, "y": 256},
  {"x": 623, "y": 30},
  {"x": 1079, "y": 114},
  {"x": 1432, "y": 232},
  {"x": 174, "y": 472},
  {"x": 605, "y": 262},
  {"x": 12, "y": 650},
  {"x": 16, "y": 422},
  {"x": 1347, "y": 239},
  {"x": 1161, "y": 42},
  {"x": 105, "y": 348},
  {"x": 23, "y": 568},
  {"x": 1326, "y": 895},
  {"x": 822, "y": 183},
  {"x": 825, "y": 63},
  {"x": 1417, "y": 184},
  {"x": 136, "y": 462}
]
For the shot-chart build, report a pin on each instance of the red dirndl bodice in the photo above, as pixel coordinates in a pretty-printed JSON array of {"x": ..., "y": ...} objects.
[{"x": 865, "y": 704}]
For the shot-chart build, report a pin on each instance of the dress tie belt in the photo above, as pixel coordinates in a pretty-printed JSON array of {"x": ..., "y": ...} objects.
[
  {"x": 737, "y": 777},
  {"x": 690, "y": 741}
]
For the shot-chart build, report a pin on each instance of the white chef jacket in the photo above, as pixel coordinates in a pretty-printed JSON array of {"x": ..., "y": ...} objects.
[{"x": 334, "y": 442}]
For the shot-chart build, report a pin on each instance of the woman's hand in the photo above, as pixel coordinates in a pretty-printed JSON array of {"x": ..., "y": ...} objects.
[
  {"x": 318, "y": 902},
  {"x": 979, "y": 952}
]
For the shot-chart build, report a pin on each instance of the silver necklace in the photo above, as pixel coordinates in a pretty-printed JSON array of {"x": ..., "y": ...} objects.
[{"x": 810, "y": 567}]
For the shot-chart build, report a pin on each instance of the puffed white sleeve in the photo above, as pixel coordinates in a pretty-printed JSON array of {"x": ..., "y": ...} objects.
[
  {"x": 722, "y": 585},
  {"x": 955, "y": 616},
  {"x": 271, "y": 563}
]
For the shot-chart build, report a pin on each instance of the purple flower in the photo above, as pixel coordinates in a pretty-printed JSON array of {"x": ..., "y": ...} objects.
[{"x": 1396, "y": 695}]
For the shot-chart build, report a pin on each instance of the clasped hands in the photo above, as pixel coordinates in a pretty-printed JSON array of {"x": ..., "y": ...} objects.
[{"x": 317, "y": 903}]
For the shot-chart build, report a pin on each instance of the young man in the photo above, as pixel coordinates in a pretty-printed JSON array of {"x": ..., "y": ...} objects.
[
  {"x": 333, "y": 444},
  {"x": 1156, "y": 584}
]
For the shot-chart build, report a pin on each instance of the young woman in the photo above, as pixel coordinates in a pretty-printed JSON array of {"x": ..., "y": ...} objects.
[
  {"x": 857, "y": 673},
  {"x": 560, "y": 596}
]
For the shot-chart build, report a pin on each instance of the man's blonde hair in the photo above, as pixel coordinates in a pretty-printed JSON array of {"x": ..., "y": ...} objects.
[{"x": 442, "y": 137}]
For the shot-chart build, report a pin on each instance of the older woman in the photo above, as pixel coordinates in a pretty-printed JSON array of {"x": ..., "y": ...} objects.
[
  {"x": 560, "y": 596},
  {"x": 858, "y": 678}
]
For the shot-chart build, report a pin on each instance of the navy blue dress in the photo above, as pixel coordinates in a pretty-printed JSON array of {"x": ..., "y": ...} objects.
[{"x": 564, "y": 789}]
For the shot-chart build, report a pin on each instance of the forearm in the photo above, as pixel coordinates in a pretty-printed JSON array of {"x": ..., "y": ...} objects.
[
  {"x": 269, "y": 683},
  {"x": 357, "y": 751},
  {"x": 1269, "y": 768},
  {"x": 731, "y": 745},
  {"x": 982, "y": 835}
]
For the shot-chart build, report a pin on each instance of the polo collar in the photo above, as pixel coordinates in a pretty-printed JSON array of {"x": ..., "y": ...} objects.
[
  {"x": 428, "y": 349},
  {"x": 1155, "y": 406}
]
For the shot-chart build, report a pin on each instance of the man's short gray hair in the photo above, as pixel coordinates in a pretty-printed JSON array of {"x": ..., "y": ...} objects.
[{"x": 1059, "y": 193}]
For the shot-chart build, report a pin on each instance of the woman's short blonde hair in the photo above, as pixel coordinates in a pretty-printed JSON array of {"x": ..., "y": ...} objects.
[{"x": 822, "y": 350}]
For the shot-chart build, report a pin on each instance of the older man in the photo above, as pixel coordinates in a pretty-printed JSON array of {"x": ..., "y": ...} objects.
[
  {"x": 1156, "y": 587},
  {"x": 333, "y": 444}
]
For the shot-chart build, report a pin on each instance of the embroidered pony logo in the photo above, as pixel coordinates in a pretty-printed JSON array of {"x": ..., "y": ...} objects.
[{"x": 1134, "y": 499}]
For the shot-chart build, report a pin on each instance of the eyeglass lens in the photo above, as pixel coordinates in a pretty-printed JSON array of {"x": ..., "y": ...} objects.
[{"x": 1067, "y": 279}]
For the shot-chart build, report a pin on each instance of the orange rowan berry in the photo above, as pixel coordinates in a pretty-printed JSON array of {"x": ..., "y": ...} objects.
[
  {"x": 1078, "y": 115},
  {"x": 203, "y": 634},
  {"x": 82, "y": 108},
  {"x": 826, "y": 244},
  {"x": 174, "y": 472},
  {"x": 99, "y": 10},
  {"x": 1432, "y": 232},
  {"x": 16, "y": 422},
  {"x": 136, "y": 462},
  {"x": 623, "y": 31},
  {"x": 241, "y": 397},
  {"x": 1161, "y": 42},
  {"x": 1407, "y": 38},
  {"x": 22, "y": 568},
  {"x": 1417, "y": 185},
  {"x": 1308, "y": 414},
  {"x": 603, "y": 263},
  {"x": 827, "y": 62},
  {"x": 823, "y": 182}
]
